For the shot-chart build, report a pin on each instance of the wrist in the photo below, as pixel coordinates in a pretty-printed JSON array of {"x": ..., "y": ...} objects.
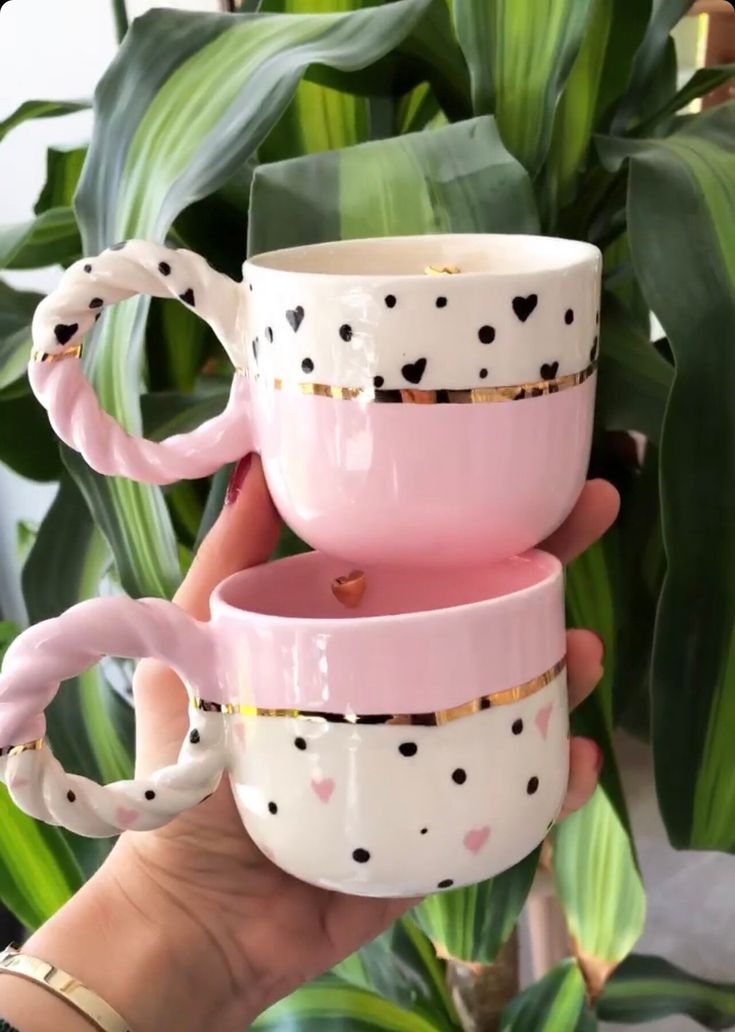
[{"x": 144, "y": 953}]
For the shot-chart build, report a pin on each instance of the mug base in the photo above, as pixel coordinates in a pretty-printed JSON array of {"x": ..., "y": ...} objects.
[{"x": 402, "y": 811}]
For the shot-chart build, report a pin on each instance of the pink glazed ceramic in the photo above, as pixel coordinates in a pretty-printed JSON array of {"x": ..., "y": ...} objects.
[
  {"x": 403, "y": 418},
  {"x": 294, "y": 696}
]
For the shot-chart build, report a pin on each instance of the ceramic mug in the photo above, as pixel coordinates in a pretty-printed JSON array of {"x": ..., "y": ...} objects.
[
  {"x": 415, "y": 743},
  {"x": 402, "y": 418}
]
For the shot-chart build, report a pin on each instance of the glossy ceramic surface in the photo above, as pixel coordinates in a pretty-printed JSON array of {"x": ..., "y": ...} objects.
[
  {"x": 379, "y": 721},
  {"x": 403, "y": 418}
]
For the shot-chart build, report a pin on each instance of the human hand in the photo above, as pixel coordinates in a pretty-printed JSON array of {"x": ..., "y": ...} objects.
[{"x": 240, "y": 932}]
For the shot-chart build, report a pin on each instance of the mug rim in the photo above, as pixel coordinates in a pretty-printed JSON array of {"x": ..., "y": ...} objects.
[
  {"x": 581, "y": 254},
  {"x": 220, "y": 607}
]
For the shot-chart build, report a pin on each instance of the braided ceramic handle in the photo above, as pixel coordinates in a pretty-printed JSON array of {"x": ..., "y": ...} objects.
[
  {"x": 56, "y": 649},
  {"x": 57, "y": 379}
]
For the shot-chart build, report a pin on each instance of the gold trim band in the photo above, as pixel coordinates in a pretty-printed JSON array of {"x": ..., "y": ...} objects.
[
  {"x": 16, "y": 750},
  {"x": 465, "y": 709},
  {"x": 470, "y": 395},
  {"x": 73, "y": 351}
]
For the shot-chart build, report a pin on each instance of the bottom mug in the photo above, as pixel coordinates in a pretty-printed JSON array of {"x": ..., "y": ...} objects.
[{"x": 382, "y": 750}]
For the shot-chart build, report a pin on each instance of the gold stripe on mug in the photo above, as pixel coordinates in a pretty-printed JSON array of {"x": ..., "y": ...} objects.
[
  {"x": 16, "y": 750},
  {"x": 465, "y": 709},
  {"x": 448, "y": 396},
  {"x": 73, "y": 351}
]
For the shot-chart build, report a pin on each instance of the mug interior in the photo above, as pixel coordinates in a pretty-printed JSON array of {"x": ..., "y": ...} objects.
[
  {"x": 300, "y": 587},
  {"x": 495, "y": 254}
]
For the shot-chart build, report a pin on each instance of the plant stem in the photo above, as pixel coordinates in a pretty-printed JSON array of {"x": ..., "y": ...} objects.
[{"x": 120, "y": 14}]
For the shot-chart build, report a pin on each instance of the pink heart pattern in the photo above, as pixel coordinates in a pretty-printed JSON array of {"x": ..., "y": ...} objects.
[
  {"x": 474, "y": 840},
  {"x": 124, "y": 817},
  {"x": 542, "y": 719},
  {"x": 323, "y": 787}
]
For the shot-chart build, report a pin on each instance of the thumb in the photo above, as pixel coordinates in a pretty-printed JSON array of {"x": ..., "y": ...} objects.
[{"x": 244, "y": 534}]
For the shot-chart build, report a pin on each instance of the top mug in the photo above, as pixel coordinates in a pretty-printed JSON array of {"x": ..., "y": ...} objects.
[{"x": 417, "y": 401}]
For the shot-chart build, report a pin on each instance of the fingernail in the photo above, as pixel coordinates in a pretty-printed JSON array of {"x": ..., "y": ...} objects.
[{"x": 237, "y": 479}]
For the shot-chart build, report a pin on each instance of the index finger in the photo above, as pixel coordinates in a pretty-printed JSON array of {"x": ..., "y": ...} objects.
[{"x": 595, "y": 511}]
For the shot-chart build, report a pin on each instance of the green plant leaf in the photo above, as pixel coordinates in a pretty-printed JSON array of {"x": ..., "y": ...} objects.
[
  {"x": 458, "y": 178},
  {"x": 646, "y": 988},
  {"x": 520, "y": 55},
  {"x": 634, "y": 380},
  {"x": 599, "y": 887},
  {"x": 170, "y": 146},
  {"x": 333, "y": 1005},
  {"x": 473, "y": 923},
  {"x": 16, "y": 311},
  {"x": 681, "y": 206},
  {"x": 38, "y": 871},
  {"x": 27, "y": 442},
  {"x": 63, "y": 168},
  {"x": 627, "y": 30},
  {"x": 701, "y": 83},
  {"x": 39, "y": 109},
  {"x": 575, "y": 113},
  {"x": 650, "y": 57},
  {"x": 554, "y": 1003},
  {"x": 52, "y": 238}
]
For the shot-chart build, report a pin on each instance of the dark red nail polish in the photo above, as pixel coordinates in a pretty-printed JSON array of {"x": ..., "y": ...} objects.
[
  {"x": 599, "y": 759},
  {"x": 237, "y": 479}
]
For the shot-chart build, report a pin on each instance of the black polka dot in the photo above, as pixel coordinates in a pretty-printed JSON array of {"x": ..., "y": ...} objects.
[
  {"x": 97, "y": 316},
  {"x": 390, "y": 300},
  {"x": 424, "y": 831},
  {"x": 593, "y": 351},
  {"x": 194, "y": 737},
  {"x": 269, "y": 334},
  {"x": 254, "y": 346},
  {"x": 164, "y": 268},
  {"x": 445, "y": 883},
  {"x": 569, "y": 316},
  {"x": 549, "y": 370},
  {"x": 250, "y": 285},
  {"x": 597, "y": 317},
  {"x": 188, "y": 297},
  {"x": 88, "y": 267},
  {"x": 345, "y": 331},
  {"x": 486, "y": 334},
  {"x": 378, "y": 382},
  {"x": 413, "y": 371},
  {"x": 361, "y": 856},
  {"x": 96, "y": 302},
  {"x": 118, "y": 246},
  {"x": 300, "y": 743},
  {"x": 517, "y": 726},
  {"x": 150, "y": 794},
  {"x": 272, "y": 808},
  {"x": 441, "y": 302},
  {"x": 483, "y": 374},
  {"x": 64, "y": 333},
  {"x": 307, "y": 365},
  {"x": 459, "y": 776},
  {"x": 532, "y": 785},
  {"x": 550, "y": 825},
  {"x": 408, "y": 748},
  {"x": 71, "y": 796}
]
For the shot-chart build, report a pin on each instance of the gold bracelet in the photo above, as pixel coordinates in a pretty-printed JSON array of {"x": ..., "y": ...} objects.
[{"x": 70, "y": 989}]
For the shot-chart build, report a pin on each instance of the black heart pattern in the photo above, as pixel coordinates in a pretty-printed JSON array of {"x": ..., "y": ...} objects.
[
  {"x": 413, "y": 371},
  {"x": 64, "y": 333},
  {"x": 523, "y": 306},
  {"x": 549, "y": 370},
  {"x": 188, "y": 297},
  {"x": 295, "y": 317}
]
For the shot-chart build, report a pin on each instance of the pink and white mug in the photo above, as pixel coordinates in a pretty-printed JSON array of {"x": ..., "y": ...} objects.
[
  {"x": 403, "y": 418},
  {"x": 416, "y": 743}
]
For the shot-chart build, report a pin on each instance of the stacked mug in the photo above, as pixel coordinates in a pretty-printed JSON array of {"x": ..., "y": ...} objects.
[{"x": 390, "y": 707}]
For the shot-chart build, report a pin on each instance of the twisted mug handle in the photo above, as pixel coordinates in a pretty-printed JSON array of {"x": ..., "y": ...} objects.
[
  {"x": 58, "y": 381},
  {"x": 63, "y": 647}
]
